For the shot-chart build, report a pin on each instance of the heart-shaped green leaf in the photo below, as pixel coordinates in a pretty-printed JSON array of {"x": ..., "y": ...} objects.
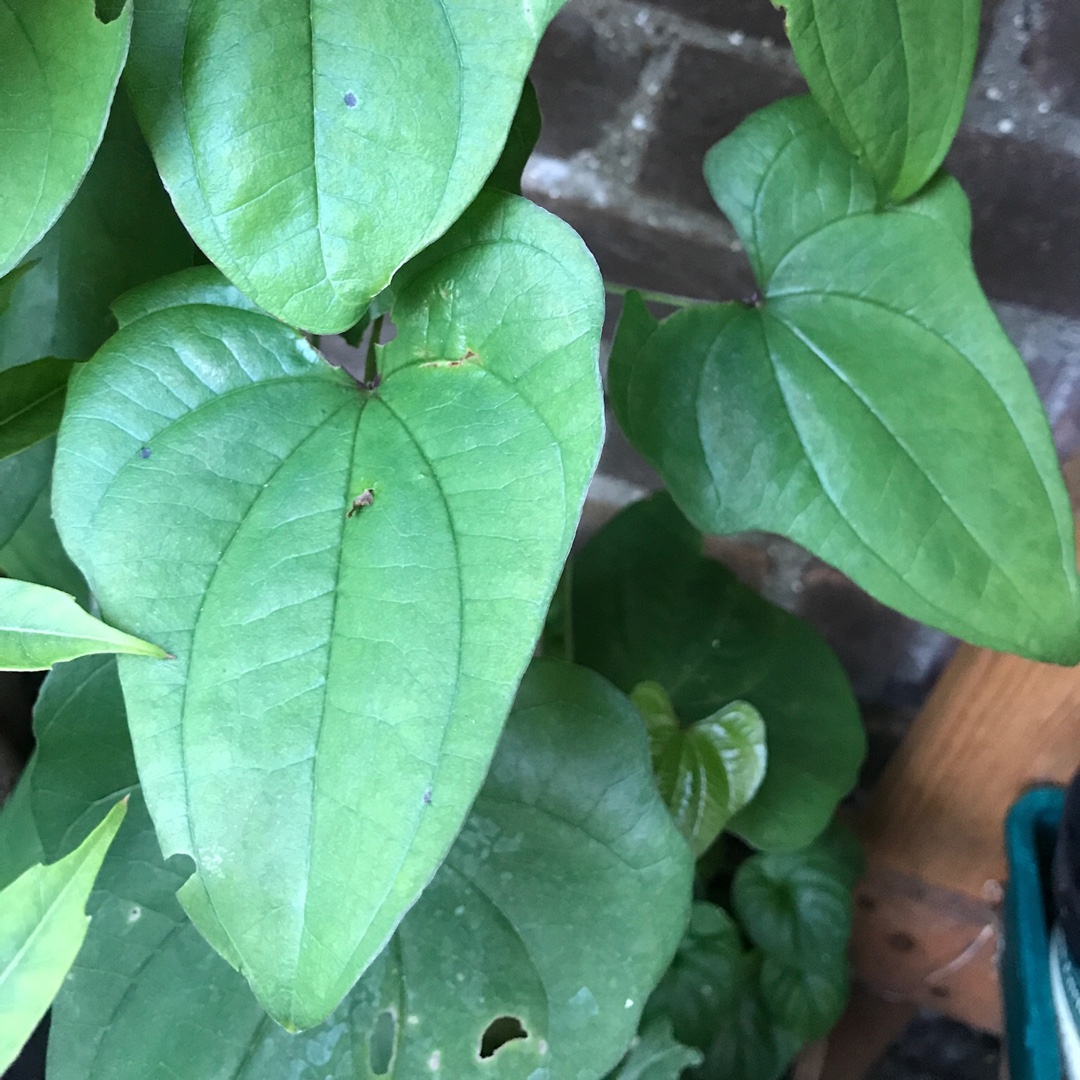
[
  {"x": 568, "y": 846},
  {"x": 708, "y": 771},
  {"x": 892, "y": 75},
  {"x": 59, "y": 65},
  {"x": 702, "y": 989},
  {"x": 805, "y": 1000},
  {"x": 352, "y": 580},
  {"x": 648, "y": 606},
  {"x": 656, "y": 1055},
  {"x": 794, "y": 907},
  {"x": 42, "y": 926},
  {"x": 857, "y": 408},
  {"x": 31, "y": 403},
  {"x": 40, "y": 627},
  {"x": 750, "y": 1045},
  {"x": 366, "y": 128}
]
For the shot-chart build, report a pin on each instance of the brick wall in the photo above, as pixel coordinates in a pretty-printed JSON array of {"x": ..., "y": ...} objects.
[{"x": 634, "y": 93}]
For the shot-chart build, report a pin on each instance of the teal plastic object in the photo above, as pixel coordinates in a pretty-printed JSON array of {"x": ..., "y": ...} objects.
[{"x": 1030, "y": 1024}]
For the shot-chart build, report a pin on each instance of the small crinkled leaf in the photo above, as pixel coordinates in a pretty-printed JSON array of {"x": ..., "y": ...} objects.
[
  {"x": 84, "y": 762},
  {"x": 855, "y": 409},
  {"x": 749, "y": 1045},
  {"x": 366, "y": 129},
  {"x": 568, "y": 846},
  {"x": 702, "y": 989},
  {"x": 648, "y": 606},
  {"x": 31, "y": 403},
  {"x": 806, "y": 1000},
  {"x": 59, "y": 66},
  {"x": 706, "y": 772},
  {"x": 42, "y": 925},
  {"x": 40, "y": 627},
  {"x": 656, "y": 1055},
  {"x": 520, "y": 143},
  {"x": 352, "y": 580},
  {"x": 892, "y": 76},
  {"x": 795, "y": 907}
]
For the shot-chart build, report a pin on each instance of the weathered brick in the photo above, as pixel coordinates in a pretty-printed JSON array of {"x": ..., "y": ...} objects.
[
  {"x": 709, "y": 95},
  {"x": 1053, "y": 52},
  {"x": 582, "y": 79},
  {"x": 1026, "y": 211},
  {"x": 756, "y": 17},
  {"x": 631, "y": 252}
]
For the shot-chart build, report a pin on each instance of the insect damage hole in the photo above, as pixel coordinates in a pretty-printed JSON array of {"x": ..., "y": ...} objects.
[
  {"x": 499, "y": 1032},
  {"x": 381, "y": 1043}
]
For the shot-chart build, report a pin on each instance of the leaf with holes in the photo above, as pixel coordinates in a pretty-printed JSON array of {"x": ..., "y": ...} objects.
[
  {"x": 856, "y": 409},
  {"x": 707, "y": 772},
  {"x": 352, "y": 579},
  {"x": 42, "y": 926},
  {"x": 59, "y": 65},
  {"x": 521, "y": 933},
  {"x": 892, "y": 75},
  {"x": 795, "y": 907},
  {"x": 40, "y": 627},
  {"x": 31, "y": 403},
  {"x": 367, "y": 162},
  {"x": 648, "y": 606}
]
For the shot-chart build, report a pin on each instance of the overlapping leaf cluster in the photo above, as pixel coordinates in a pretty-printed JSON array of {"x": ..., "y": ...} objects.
[{"x": 324, "y": 588}]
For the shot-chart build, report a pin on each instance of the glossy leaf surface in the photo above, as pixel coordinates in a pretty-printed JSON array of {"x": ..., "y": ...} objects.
[
  {"x": 794, "y": 907},
  {"x": 31, "y": 403},
  {"x": 42, "y": 926},
  {"x": 40, "y": 627},
  {"x": 567, "y": 845},
  {"x": 855, "y": 409},
  {"x": 648, "y": 606},
  {"x": 354, "y": 163},
  {"x": 59, "y": 66},
  {"x": 892, "y": 76},
  {"x": 706, "y": 772},
  {"x": 352, "y": 580}
]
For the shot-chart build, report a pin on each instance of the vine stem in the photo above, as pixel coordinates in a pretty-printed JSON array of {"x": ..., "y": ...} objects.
[
  {"x": 371, "y": 370},
  {"x": 671, "y": 299}
]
